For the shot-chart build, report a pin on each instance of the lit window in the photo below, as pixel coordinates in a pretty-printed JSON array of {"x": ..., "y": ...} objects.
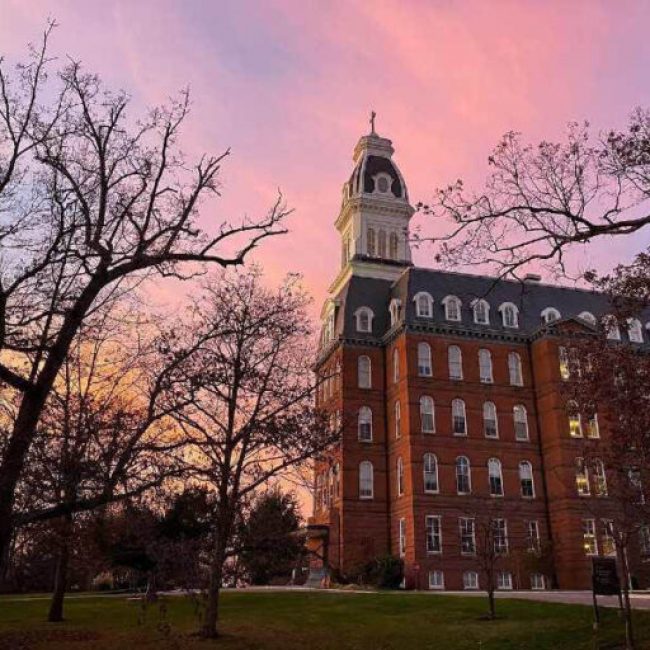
[
  {"x": 500, "y": 536},
  {"x": 427, "y": 415},
  {"x": 490, "y": 426},
  {"x": 533, "y": 540},
  {"x": 364, "y": 318},
  {"x": 481, "y": 310},
  {"x": 634, "y": 330},
  {"x": 509, "y": 314},
  {"x": 575, "y": 420},
  {"x": 582, "y": 478},
  {"x": 430, "y": 473},
  {"x": 607, "y": 538},
  {"x": 424, "y": 360},
  {"x": 458, "y": 417},
  {"x": 371, "y": 245},
  {"x": 400, "y": 477},
  {"x": 504, "y": 580},
  {"x": 436, "y": 579},
  {"x": 455, "y": 362},
  {"x": 467, "y": 536},
  {"x": 485, "y": 366},
  {"x": 366, "y": 480},
  {"x": 514, "y": 369},
  {"x": 537, "y": 582},
  {"x": 463, "y": 476},
  {"x": 396, "y": 365},
  {"x": 365, "y": 424},
  {"x": 364, "y": 372},
  {"x": 563, "y": 356},
  {"x": 402, "y": 537},
  {"x": 470, "y": 580},
  {"x": 398, "y": 420},
  {"x": 590, "y": 543},
  {"x": 495, "y": 477},
  {"x": 520, "y": 417},
  {"x": 526, "y": 479},
  {"x": 550, "y": 314},
  {"x": 452, "y": 306},
  {"x": 600, "y": 478},
  {"x": 423, "y": 305},
  {"x": 434, "y": 534}
]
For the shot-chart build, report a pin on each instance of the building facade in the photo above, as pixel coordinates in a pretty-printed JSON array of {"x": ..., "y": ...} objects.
[{"x": 448, "y": 389}]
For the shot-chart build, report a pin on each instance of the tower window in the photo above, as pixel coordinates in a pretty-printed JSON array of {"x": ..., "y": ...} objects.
[
  {"x": 371, "y": 244},
  {"x": 392, "y": 253},
  {"x": 383, "y": 185},
  {"x": 382, "y": 243},
  {"x": 481, "y": 312}
]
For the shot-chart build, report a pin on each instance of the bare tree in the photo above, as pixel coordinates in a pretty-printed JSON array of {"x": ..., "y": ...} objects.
[
  {"x": 541, "y": 200},
  {"x": 92, "y": 202},
  {"x": 252, "y": 415}
]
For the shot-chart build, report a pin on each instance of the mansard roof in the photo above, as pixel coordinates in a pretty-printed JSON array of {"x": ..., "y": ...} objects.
[{"x": 530, "y": 298}]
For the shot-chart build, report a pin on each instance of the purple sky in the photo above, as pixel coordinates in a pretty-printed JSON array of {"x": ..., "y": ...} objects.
[{"x": 289, "y": 85}]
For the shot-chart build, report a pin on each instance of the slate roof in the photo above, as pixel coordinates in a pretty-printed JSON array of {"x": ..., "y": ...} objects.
[{"x": 531, "y": 298}]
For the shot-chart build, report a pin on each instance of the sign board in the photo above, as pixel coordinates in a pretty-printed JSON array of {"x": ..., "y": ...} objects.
[{"x": 605, "y": 576}]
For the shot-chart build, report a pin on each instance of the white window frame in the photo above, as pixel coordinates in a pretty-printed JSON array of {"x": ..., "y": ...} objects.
[
  {"x": 393, "y": 310},
  {"x": 550, "y": 315},
  {"x": 575, "y": 420},
  {"x": 425, "y": 368},
  {"x": 371, "y": 242},
  {"x": 455, "y": 363},
  {"x": 436, "y": 583},
  {"x": 563, "y": 363},
  {"x": 509, "y": 307},
  {"x": 515, "y": 369},
  {"x": 364, "y": 376},
  {"x": 476, "y": 305},
  {"x": 537, "y": 581},
  {"x": 463, "y": 461},
  {"x": 588, "y": 317},
  {"x": 425, "y": 414},
  {"x": 610, "y": 325},
  {"x": 400, "y": 476},
  {"x": 467, "y": 529},
  {"x": 490, "y": 409},
  {"x": 520, "y": 417},
  {"x": 583, "y": 487},
  {"x": 593, "y": 427},
  {"x": 634, "y": 330},
  {"x": 427, "y": 473},
  {"x": 433, "y": 534},
  {"x": 470, "y": 581},
  {"x": 396, "y": 366},
  {"x": 359, "y": 314},
  {"x": 453, "y": 308},
  {"x": 366, "y": 482},
  {"x": 526, "y": 474},
  {"x": 398, "y": 419},
  {"x": 533, "y": 537},
  {"x": 589, "y": 535},
  {"x": 504, "y": 581},
  {"x": 485, "y": 369},
  {"x": 458, "y": 410},
  {"x": 599, "y": 478},
  {"x": 497, "y": 476},
  {"x": 364, "y": 417},
  {"x": 607, "y": 539},
  {"x": 402, "y": 537},
  {"x": 423, "y": 299}
]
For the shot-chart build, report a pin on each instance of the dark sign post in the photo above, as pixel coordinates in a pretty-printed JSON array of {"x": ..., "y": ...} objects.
[{"x": 604, "y": 580}]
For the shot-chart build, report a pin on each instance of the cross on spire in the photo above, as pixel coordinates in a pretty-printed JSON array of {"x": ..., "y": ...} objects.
[{"x": 373, "y": 115}]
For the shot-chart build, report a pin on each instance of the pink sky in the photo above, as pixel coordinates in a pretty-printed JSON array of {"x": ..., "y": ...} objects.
[{"x": 289, "y": 85}]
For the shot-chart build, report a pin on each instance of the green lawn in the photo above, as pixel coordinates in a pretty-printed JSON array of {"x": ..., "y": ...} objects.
[{"x": 311, "y": 621}]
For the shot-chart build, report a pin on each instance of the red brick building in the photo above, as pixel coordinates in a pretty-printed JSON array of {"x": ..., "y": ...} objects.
[{"x": 449, "y": 390}]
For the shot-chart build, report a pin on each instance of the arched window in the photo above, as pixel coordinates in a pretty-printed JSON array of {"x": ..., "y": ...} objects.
[
  {"x": 509, "y": 314},
  {"x": 550, "y": 314},
  {"x": 593, "y": 429},
  {"x": 610, "y": 325},
  {"x": 526, "y": 479},
  {"x": 395, "y": 365},
  {"x": 364, "y": 317},
  {"x": 371, "y": 244},
  {"x": 423, "y": 304},
  {"x": 463, "y": 476},
  {"x": 588, "y": 317},
  {"x": 520, "y": 417},
  {"x": 394, "y": 309},
  {"x": 382, "y": 244},
  {"x": 514, "y": 369},
  {"x": 455, "y": 362},
  {"x": 634, "y": 330},
  {"x": 393, "y": 246},
  {"x": 365, "y": 424},
  {"x": 400, "y": 476},
  {"x": 424, "y": 360},
  {"x": 575, "y": 420},
  {"x": 398, "y": 420},
  {"x": 366, "y": 480},
  {"x": 564, "y": 363},
  {"x": 582, "y": 478},
  {"x": 364, "y": 372},
  {"x": 458, "y": 417},
  {"x": 481, "y": 310},
  {"x": 430, "y": 473},
  {"x": 600, "y": 478},
  {"x": 490, "y": 426},
  {"x": 452, "y": 306},
  {"x": 495, "y": 477},
  {"x": 485, "y": 366},
  {"x": 427, "y": 418}
]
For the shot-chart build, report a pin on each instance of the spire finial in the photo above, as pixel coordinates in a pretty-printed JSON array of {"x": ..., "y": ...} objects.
[{"x": 373, "y": 115}]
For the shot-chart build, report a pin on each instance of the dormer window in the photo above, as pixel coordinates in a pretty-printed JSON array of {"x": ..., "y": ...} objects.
[
  {"x": 588, "y": 317},
  {"x": 393, "y": 309},
  {"x": 634, "y": 330},
  {"x": 423, "y": 305},
  {"x": 550, "y": 314},
  {"x": 509, "y": 314},
  {"x": 610, "y": 325},
  {"x": 481, "y": 310},
  {"x": 364, "y": 316},
  {"x": 452, "y": 308}
]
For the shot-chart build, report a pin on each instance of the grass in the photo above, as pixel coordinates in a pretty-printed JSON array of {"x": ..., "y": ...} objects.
[{"x": 313, "y": 621}]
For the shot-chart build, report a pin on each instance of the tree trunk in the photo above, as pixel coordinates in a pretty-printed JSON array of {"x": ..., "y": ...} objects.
[
  {"x": 493, "y": 610},
  {"x": 55, "y": 614},
  {"x": 629, "y": 631},
  {"x": 209, "y": 628}
]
